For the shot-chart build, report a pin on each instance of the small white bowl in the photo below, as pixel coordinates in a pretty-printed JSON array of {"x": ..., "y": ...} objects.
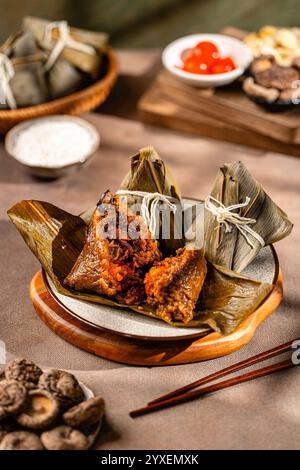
[
  {"x": 56, "y": 170},
  {"x": 228, "y": 46}
]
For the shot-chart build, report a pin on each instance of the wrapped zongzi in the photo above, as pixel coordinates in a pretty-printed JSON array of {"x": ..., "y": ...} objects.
[
  {"x": 81, "y": 48},
  {"x": 149, "y": 174},
  {"x": 240, "y": 218}
]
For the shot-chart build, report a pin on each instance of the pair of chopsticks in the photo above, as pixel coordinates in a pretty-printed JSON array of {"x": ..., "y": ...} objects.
[{"x": 184, "y": 394}]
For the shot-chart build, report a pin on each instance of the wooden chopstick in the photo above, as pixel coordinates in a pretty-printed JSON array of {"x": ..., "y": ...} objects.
[
  {"x": 228, "y": 370},
  {"x": 212, "y": 388}
]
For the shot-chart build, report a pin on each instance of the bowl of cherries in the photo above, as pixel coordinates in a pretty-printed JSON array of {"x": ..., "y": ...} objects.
[{"x": 207, "y": 60}]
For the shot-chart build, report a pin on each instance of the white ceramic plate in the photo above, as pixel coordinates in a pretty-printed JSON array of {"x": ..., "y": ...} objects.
[
  {"x": 132, "y": 324},
  {"x": 228, "y": 46}
]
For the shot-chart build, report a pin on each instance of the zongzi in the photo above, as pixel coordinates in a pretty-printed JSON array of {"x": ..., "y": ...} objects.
[
  {"x": 117, "y": 250},
  {"x": 81, "y": 48},
  {"x": 149, "y": 174},
  {"x": 173, "y": 285},
  {"x": 240, "y": 218}
]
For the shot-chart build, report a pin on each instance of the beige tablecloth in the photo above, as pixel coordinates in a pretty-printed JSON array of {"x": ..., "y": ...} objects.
[{"x": 262, "y": 414}]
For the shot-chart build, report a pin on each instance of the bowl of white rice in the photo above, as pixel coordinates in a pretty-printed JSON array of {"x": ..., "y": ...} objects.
[{"x": 52, "y": 146}]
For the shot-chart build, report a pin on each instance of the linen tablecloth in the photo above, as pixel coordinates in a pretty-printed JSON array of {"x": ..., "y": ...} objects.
[{"x": 257, "y": 415}]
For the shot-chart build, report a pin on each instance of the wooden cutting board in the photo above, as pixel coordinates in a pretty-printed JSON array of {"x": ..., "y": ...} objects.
[{"x": 223, "y": 113}]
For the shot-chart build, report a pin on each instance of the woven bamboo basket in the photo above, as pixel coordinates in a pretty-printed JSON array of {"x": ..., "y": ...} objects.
[{"x": 77, "y": 103}]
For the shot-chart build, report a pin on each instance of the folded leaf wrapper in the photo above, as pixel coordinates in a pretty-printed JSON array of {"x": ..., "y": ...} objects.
[
  {"x": 56, "y": 238},
  {"x": 28, "y": 85},
  {"x": 230, "y": 249},
  {"x": 89, "y": 63},
  {"x": 149, "y": 174}
]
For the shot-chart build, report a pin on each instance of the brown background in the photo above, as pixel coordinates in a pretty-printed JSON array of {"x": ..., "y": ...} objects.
[{"x": 150, "y": 23}]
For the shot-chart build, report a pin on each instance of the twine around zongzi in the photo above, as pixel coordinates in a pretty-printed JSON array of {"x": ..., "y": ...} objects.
[
  {"x": 149, "y": 205},
  {"x": 225, "y": 216},
  {"x": 6, "y": 74},
  {"x": 64, "y": 40}
]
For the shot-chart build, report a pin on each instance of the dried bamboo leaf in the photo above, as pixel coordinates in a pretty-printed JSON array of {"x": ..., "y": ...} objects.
[
  {"x": 56, "y": 238},
  {"x": 149, "y": 174},
  {"x": 233, "y": 184}
]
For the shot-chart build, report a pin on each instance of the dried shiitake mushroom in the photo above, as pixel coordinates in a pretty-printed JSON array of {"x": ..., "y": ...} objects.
[
  {"x": 88, "y": 412},
  {"x": 64, "y": 438},
  {"x": 6, "y": 425},
  {"x": 253, "y": 89},
  {"x": 277, "y": 77},
  {"x": 13, "y": 397},
  {"x": 24, "y": 371},
  {"x": 261, "y": 63},
  {"x": 21, "y": 440},
  {"x": 41, "y": 410},
  {"x": 63, "y": 386}
]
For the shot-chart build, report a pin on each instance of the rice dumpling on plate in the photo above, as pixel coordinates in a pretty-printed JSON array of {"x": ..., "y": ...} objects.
[
  {"x": 149, "y": 174},
  {"x": 110, "y": 257},
  {"x": 173, "y": 285},
  {"x": 257, "y": 221},
  {"x": 117, "y": 250}
]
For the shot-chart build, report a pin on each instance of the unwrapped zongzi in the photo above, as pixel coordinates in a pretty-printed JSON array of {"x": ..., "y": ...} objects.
[
  {"x": 117, "y": 250},
  {"x": 173, "y": 285}
]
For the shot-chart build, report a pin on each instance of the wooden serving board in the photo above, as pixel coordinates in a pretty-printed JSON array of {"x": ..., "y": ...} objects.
[
  {"x": 223, "y": 113},
  {"x": 134, "y": 351}
]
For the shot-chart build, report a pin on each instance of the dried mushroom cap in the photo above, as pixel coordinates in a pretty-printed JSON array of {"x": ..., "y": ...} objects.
[
  {"x": 6, "y": 425},
  {"x": 261, "y": 63},
  {"x": 13, "y": 396},
  {"x": 88, "y": 412},
  {"x": 64, "y": 438},
  {"x": 21, "y": 440},
  {"x": 23, "y": 370},
  {"x": 290, "y": 94},
  {"x": 62, "y": 385},
  {"x": 296, "y": 62},
  {"x": 253, "y": 89},
  {"x": 41, "y": 410},
  {"x": 277, "y": 77}
]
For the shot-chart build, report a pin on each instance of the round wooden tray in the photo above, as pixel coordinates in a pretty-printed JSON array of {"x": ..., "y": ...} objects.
[{"x": 140, "y": 352}]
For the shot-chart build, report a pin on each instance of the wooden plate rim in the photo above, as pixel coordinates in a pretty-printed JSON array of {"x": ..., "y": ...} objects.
[{"x": 151, "y": 338}]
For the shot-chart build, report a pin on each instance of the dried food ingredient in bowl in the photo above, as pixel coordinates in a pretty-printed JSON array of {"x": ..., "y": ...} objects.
[
  {"x": 13, "y": 397},
  {"x": 41, "y": 410},
  {"x": 86, "y": 413},
  {"x": 6, "y": 425},
  {"x": 21, "y": 440},
  {"x": 277, "y": 77},
  {"x": 115, "y": 253},
  {"x": 253, "y": 89},
  {"x": 63, "y": 386},
  {"x": 64, "y": 438},
  {"x": 174, "y": 284},
  {"x": 53, "y": 143},
  {"x": 24, "y": 371}
]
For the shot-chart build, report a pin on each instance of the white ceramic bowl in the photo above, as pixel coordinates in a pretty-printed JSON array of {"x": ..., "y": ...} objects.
[
  {"x": 56, "y": 170},
  {"x": 236, "y": 49}
]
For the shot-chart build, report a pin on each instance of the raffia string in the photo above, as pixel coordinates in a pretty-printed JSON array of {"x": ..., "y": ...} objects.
[
  {"x": 225, "y": 216},
  {"x": 6, "y": 74},
  {"x": 149, "y": 205},
  {"x": 64, "y": 40}
]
